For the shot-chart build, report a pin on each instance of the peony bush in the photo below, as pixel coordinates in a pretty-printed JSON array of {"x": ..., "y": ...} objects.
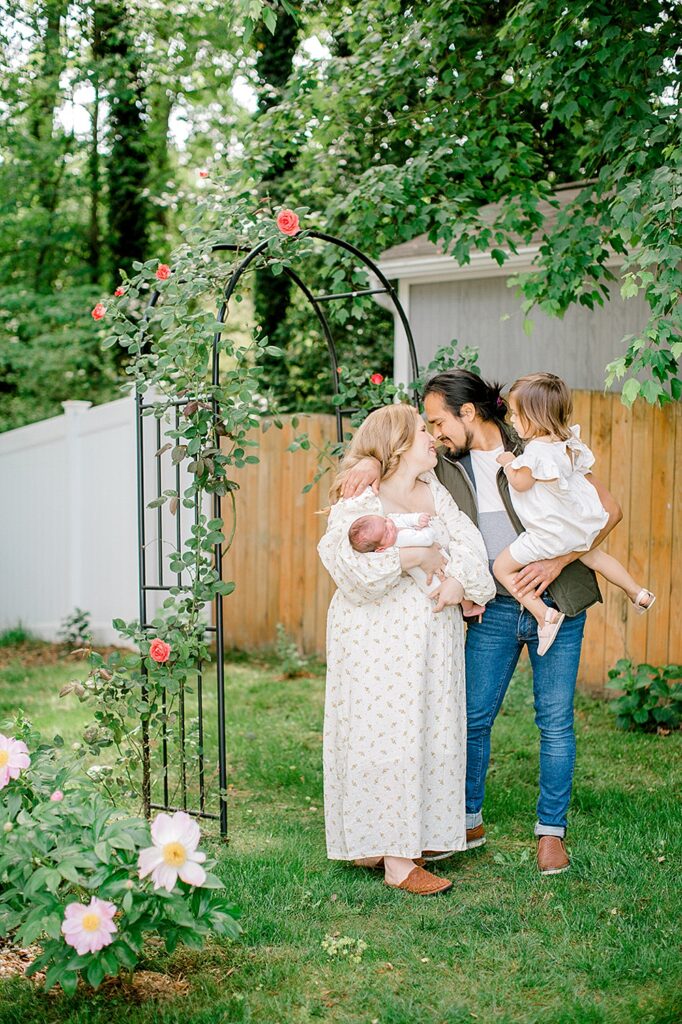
[{"x": 88, "y": 883}]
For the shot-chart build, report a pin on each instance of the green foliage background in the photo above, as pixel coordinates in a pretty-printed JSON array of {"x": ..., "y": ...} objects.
[{"x": 385, "y": 121}]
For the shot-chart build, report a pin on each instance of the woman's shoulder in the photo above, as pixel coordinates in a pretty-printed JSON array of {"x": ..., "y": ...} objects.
[{"x": 367, "y": 503}]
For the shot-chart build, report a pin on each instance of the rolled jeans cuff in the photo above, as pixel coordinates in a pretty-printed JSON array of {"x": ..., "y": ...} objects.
[
  {"x": 550, "y": 830},
  {"x": 474, "y": 820}
]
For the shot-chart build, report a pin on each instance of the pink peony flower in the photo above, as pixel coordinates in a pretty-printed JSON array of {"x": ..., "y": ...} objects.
[
  {"x": 287, "y": 222},
  {"x": 163, "y": 272},
  {"x": 89, "y": 928},
  {"x": 120, "y": 291},
  {"x": 57, "y": 796},
  {"x": 174, "y": 852},
  {"x": 13, "y": 759},
  {"x": 376, "y": 378},
  {"x": 99, "y": 311},
  {"x": 159, "y": 651}
]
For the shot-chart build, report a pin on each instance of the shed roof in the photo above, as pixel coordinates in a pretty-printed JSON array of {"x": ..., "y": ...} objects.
[{"x": 421, "y": 246}]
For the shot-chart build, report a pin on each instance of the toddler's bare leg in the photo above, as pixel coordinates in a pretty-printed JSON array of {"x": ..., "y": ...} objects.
[
  {"x": 504, "y": 569},
  {"x": 611, "y": 569}
]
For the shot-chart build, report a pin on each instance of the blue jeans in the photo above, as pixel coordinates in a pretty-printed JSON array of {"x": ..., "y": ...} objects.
[{"x": 493, "y": 647}]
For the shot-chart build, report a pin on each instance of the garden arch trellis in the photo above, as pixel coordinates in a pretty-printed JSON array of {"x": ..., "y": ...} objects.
[{"x": 145, "y": 548}]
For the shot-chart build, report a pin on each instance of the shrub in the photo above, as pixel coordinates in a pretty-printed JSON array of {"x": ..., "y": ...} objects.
[
  {"x": 290, "y": 659},
  {"x": 14, "y": 636},
  {"x": 74, "y": 630},
  {"x": 652, "y": 696},
  {"x": 71, "y": 867}
]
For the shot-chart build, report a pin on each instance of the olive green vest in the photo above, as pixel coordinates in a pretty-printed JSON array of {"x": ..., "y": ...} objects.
[{"x": 575, "y": 588}]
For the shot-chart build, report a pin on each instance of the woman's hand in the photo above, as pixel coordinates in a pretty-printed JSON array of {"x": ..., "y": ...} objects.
[
  {"x": 366, "y": 473},
  {"x": 450, "y": 592},
  {"x": 431, "y": 560}
]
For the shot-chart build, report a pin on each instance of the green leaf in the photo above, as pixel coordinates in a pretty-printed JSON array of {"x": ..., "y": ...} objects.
[
  {"x": 270, "y": 19},
  {"x": 631, "y": 389}
]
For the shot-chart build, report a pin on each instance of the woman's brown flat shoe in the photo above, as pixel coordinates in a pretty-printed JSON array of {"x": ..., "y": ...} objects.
[{"x": 422, "y": 883}]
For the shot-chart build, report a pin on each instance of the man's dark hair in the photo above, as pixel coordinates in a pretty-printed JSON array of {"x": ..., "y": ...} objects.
[{"x": 458, "y": 387}]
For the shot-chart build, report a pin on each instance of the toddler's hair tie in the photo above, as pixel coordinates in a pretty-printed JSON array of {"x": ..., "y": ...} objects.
[{"x": 500, "y": 403}]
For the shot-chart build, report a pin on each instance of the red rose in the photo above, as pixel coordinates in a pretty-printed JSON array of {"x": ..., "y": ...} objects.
[
  {"x": 163, "y": 272},
  {"x": 159, "y": 651},
  {"x": 376, "y": 378},
  {"x": 287, "y": 222},
  {"x": 99, "y": 311},
  {"x": 119, "y": 291},
  {"x": 203, "y": 174}
]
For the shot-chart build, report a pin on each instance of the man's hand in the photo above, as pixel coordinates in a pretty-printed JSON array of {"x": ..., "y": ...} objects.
[
  {"x": 450, "y": 592},
  {"x": 366, "y": 473},
  {"x": 536, "y": 577}
]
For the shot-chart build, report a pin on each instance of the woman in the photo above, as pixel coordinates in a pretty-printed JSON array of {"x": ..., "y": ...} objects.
[{"x": 395, "y": 726}]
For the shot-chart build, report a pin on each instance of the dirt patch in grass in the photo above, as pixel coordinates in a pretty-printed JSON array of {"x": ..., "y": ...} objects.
[{"x": 39, "y": 653}]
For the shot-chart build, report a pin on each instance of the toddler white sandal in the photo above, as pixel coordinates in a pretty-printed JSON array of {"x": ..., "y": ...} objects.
[
  {"x": 638, "y": 606},
  {"x": 547, "y": 634}
]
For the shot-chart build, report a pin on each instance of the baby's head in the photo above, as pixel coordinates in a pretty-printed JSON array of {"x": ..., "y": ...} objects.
[
  {"x": 541, "y": 403},
  {"x": 372, "y": 533}
]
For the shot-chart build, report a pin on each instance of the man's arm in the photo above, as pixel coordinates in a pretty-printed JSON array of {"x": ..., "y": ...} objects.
[
  {"x": 366, "y": 473},
  {"x": 536, "y": 577}
]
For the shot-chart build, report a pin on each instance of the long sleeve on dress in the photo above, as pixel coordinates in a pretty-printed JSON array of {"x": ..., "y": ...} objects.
[
  {"x": 468, "y": 556},
  {"x": 360, "y": 577}
]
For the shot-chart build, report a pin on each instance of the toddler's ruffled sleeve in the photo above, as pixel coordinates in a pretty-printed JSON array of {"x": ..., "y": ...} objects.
[
  {"x": 360, "y": 577},
  {"x": 468, "y": 556},
  {"x": 537, "y": 457}
]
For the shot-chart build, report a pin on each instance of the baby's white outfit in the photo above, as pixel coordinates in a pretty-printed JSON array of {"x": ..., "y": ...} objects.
[
  {"x": 410, "y": 536},
  {"x": 561, "y": 511}
]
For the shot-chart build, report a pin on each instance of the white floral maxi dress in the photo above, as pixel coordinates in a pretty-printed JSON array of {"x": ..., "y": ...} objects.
[{"x": 395, "y": 711}]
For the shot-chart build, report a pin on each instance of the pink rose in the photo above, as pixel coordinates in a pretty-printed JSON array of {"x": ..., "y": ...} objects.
[
  {"x": 163, "y": 272},
  {"x": 99, "y": 311},
  {"x": 376, "y": 378},
  {"x": 119, "y": 291},
  {"x": 159, "y": 651},
  {"x": 57, "y": 796},
  {"x": 339, "y": 370},
  {"x": 287, "y": 222}
]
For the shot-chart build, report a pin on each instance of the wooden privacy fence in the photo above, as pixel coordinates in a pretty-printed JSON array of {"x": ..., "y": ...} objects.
[{"x": 279, "y": 576}]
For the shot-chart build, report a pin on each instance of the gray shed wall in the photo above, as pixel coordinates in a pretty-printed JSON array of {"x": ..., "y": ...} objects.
[{"x": 576, "y": 348}]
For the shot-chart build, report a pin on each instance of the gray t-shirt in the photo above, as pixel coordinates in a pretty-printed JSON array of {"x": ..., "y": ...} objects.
[{"x": 493, "y": 520}]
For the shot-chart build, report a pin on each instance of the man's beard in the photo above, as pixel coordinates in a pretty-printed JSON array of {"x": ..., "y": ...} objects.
[{"x": 459, "y": 453}]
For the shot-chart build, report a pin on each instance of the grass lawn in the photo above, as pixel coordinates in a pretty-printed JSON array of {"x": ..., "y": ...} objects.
[{"x": 599, "y": 944}]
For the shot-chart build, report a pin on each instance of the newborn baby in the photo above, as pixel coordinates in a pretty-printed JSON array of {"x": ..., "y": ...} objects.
[{"x": 402, "y": 530}]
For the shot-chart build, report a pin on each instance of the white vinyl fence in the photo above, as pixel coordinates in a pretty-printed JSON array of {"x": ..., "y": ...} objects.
[{"x": 69, "y": 519}]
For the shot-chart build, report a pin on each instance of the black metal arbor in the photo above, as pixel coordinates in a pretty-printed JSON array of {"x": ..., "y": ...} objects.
[{"x": 150, "y": 486}]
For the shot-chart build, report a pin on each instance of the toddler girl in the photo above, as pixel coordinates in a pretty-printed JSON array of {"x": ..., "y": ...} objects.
[
  {"x": 558, "y": 506},
  {"x": 402, "y": 530}
]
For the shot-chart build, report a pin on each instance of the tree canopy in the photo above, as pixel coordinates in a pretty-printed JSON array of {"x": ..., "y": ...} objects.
[{"x": 385, "y": 122}]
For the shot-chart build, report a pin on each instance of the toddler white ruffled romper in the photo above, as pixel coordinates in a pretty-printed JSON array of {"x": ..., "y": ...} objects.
[{"x": 562, "y": 511}]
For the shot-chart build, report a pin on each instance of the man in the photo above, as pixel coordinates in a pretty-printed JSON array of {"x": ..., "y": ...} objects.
[{"x": 467, "y": 415}]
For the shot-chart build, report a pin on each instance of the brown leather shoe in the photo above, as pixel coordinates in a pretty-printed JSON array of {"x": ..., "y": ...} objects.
[
  {"x": 475, "y": 837},
  {"x": 422, "y": 883},
  {"x": 552, "y": 856}
]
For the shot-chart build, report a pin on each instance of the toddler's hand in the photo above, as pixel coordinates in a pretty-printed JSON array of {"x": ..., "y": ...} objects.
[
  {"x": 424, "y": 520},
  {"x": 505, "y": 458}
]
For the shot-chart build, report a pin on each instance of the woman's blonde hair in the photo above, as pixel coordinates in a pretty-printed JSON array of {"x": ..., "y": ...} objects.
[
  {"x": 385, "y": 435},
  {"x": 544, "y": 403}
]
